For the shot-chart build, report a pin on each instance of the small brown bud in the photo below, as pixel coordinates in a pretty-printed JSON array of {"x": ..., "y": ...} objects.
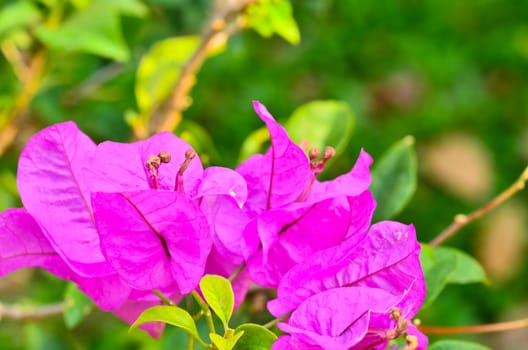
[
  {"x": 329, "y": 152},
  {"x": 165, "y": 157},
  {"x": 153, "y": 162},
  {"x": 190, "y": 154},
  {"x": 314, "y": 153},
  {"x": 304, "y": 144}
]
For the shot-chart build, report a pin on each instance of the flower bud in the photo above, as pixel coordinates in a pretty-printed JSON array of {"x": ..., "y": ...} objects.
[{"x": 164, "y": 157}]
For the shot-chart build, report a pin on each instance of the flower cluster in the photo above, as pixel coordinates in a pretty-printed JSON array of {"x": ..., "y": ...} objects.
[{"x": 122, "y": 220}]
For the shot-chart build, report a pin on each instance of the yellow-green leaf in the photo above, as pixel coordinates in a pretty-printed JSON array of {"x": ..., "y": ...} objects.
[
  {"x": 268, "y": 17},
  {"x": 172, "y": 315},
  {"x": 322, "y": 123},
  {"x": 225, "y": 343},
  {"x": 219, "y": 295},
  {"x": 160, "y": 68}
]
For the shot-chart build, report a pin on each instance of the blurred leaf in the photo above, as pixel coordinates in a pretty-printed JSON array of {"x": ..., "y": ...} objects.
[
  {"x": 172, "y": 315},
  {"x": 443, "y": 265},
  {"x": 457, "y": 345},
  {"x": 159, "y": 69},
  {"x": 225, "y": 343},
  {"x": 95, "y": 29},
  {"x": 253, "y": 144},
  {"x": 40, "y": 338},
  {"x": 8, "y": 190},
  {"x": 273, "y": 16},
  {"x": 198, "y": 138},
  {"x": 322, "y": 123},
  {"x": 394, "y": 179},
  {"x": 16, "y": 15},
  {"x": 77, "y": 306},
  {"x": 80, "y": 4},
  {"x": 255, "y": 337},
  {"x": 218, "y": 293}
]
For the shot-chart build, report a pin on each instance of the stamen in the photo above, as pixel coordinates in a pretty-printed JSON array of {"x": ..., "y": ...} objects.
[
  {"x": 317, "y": 166},
  {"x": 153, "y": 164},
  {"x": 304, "y": 144},
  {"x": 401, "y": 323},
  {"x": 412, "y": 342},
  {"x": 189, "y": 155},
  {"x": 313, "y": 154}
]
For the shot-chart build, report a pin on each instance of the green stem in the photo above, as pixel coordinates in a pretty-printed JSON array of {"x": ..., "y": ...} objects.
[
  {"x": 190, "y": 343},
  {"x": 197, "y": 316},
  {"x": 237, "y": 272},
  {"x": 207, "y": 312},
  {"x": 275, "y": 321},
  {"x": 163, "y": 297}
]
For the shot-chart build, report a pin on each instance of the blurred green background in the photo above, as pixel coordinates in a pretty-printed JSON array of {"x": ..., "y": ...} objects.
[{"x": 451, "y": 73}]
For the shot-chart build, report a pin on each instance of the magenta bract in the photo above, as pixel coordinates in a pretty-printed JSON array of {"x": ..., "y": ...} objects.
[
  {"x": 384, "y": 263},
  {"x": 292, "y": 214}
]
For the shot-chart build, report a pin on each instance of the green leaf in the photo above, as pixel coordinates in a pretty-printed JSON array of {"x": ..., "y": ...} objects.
[
  {"x": 218, "y": 293},
  {"x": 255, "y": 337},
  {"x": 172, "y": 315},
  {"x": 16, "y": 15},
  {"x": 268, "y": 17},
  {"x": 322, "y": 123},
  {"x": 160, "y": 68},
  {"x": 199, "y": 138},
  {"x": 225, "y": 343},
  {"x": 394, "y": 179},
  {"x": 77, "y": 306},
  {"x": 443, "y": 265},
  {"x": 253, "y": 144},
  {"x": 95, "y": 29},
  {"x": 457, "y": 345}
]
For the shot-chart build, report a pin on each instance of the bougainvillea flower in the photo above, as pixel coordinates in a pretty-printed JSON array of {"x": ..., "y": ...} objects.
[
  {"x": 158, "y": 191},
  {"x": 292, "y": 214},
  {"x": 367, "y": 279},
  {"x": 117, "y": 219}
]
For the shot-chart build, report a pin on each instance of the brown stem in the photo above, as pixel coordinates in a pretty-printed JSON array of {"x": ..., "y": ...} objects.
[
  {"x": 30, "y": 313},
  {"x": 30, "y": 77},
  {"x": 462, "y": 220},
  {"x": 482, "y": 328},
  {"x": 168, "y": 115}
]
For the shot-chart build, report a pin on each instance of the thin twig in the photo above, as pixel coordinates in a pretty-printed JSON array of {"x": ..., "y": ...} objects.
[
  {"x": 462, "y": 220},
  {"x": 482, "y": 328},
  {"x": 167, "y": 117},
  {"x": 16, "y": 117},
  {"x": 30, "y": 313},
  {"x": 94, "y": 82}
]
